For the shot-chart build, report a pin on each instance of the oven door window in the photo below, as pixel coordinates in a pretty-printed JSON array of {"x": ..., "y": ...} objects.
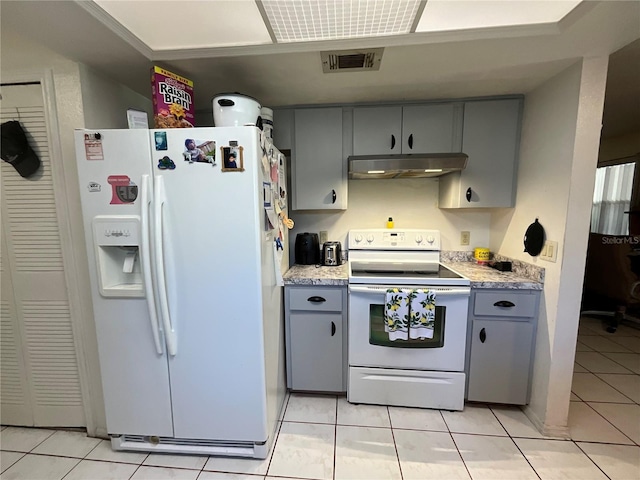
[{"x": 377, "y": 335}]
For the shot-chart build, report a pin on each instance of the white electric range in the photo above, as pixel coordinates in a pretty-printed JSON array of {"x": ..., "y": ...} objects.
[{"x": 422, "y": 372}]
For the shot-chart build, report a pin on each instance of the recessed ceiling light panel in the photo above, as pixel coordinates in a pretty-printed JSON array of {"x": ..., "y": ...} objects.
[{"x": 312, "y": 20}]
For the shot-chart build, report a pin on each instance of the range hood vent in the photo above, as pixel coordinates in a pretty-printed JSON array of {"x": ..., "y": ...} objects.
[{"x": 405, "y": 166}]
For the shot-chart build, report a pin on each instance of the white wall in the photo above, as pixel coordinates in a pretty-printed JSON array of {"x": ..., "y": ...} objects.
[
  {"x": 106, "y": 102},
  {"x": 558, "y": 157},
  {"x": 411, "y": 202}
]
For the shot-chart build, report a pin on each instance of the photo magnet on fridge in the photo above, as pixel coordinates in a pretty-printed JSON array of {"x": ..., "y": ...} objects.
[
  {"x": 161, "y": 140},
  {"x": 199, "y": 151},
  {"x": 232, "y": 158}
]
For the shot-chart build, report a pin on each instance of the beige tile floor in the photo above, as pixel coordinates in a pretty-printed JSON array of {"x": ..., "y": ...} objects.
[{"x": 325, "y": 437}]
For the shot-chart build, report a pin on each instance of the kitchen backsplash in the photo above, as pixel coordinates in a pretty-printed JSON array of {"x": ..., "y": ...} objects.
[{"x": 411, "y": 202}]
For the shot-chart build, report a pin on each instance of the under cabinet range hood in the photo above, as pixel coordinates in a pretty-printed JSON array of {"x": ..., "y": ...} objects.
[{"x": 405, "y": 166}]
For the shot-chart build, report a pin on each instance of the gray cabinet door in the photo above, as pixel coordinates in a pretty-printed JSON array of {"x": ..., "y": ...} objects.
[
  {"x": 491, "y": 139},
  {"x": 432, "y": 128},
  {"x": 318, "y": 169},
  {"x": 316, "y": 352},
  {"x": 377, "y": 130},
  {"x": 499, "y": 366}
]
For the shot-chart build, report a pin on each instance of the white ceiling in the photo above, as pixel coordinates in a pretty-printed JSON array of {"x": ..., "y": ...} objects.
[{"x": 225, "y": 46}]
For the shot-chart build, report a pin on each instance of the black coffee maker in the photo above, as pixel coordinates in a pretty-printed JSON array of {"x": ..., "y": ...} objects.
[{"x": 307, "y": 249}]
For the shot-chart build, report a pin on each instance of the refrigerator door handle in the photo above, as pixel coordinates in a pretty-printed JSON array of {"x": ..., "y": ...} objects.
[
  {"x": 169, "y": 332},
  {"x": 145, "y": 256}
]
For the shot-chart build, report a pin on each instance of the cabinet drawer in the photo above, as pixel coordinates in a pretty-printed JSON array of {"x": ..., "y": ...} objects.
[
  {"x": 500, "y": 304},
  {"x": 315, "y": 299}
]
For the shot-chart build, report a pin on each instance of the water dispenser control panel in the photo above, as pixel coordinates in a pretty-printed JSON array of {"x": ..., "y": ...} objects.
[{"x": 122, "y": 230}]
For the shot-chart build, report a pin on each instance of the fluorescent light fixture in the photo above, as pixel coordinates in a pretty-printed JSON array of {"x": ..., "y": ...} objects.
[
  {"x": 375, "y": 171},
  {"x": 309, "y": 20},
  {"x": 432, "y": 170}
]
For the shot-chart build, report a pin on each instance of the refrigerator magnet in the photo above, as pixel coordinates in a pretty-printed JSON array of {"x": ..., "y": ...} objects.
[
  {"x": 161, "y": 140},
  {"x": 266, "y": 194},
  {"x": 123, "y": 190},
  {"x": 165, "y": 163},
  {"x": 233, "y": 160},
  {"x": 199, "y": 151},
  {"x": 94, "y": 187},
  {"x": 93, "y": 146}
]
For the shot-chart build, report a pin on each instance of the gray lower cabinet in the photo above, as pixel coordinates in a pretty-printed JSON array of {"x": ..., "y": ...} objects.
[
  {"x": 501, "y": 345},
  {"x": 316, "y": 330}
]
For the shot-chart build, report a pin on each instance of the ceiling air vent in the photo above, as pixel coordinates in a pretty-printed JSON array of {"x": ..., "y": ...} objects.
[{"x": 351, "y": 60}]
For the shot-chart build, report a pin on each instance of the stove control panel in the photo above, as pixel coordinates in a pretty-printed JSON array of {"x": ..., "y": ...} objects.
[{"x": 394, "y": 239}]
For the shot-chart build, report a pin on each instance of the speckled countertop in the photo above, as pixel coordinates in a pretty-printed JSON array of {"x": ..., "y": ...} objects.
[
  {"x": 312, "y": 275},
  {"x": 479, "y": 275},
  {"x": 482, "y": 276}
]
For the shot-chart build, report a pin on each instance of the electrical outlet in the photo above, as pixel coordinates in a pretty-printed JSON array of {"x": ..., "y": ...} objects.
[
  {"x": 323, "y": 237},
  {"x": 549, "y": 251},
  {"x": 465, "y": 237}
]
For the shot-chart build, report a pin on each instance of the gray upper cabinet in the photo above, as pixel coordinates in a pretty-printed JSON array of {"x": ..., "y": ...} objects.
[
  {"x": 377, "y": 130},
  {"x": 491, "y": 140},
  {"x": 282, "y": 135},
  {"x": 429, "y": 128},
  {"x": 318, "y": 169}
]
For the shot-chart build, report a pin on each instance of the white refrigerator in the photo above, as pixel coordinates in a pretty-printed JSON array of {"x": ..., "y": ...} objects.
[{"x": 186, "y": 242}]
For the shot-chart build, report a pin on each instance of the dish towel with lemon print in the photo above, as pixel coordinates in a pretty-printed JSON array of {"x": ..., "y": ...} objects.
[
  {"x": 396, "y": 314},
  {"x": 409, "y": 314},
  {"x": 422, "y": 313}
]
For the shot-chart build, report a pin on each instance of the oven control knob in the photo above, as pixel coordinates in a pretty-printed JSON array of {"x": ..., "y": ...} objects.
[
  {"x": 430, "y": 239},
  {"x": 358, "y": 238},
  {"x": 418, "y": 239},
  {"x": 370, "y": 238}
]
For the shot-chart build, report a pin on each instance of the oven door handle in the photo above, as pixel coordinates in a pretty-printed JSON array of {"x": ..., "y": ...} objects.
[{"x": 444, "y": 292}]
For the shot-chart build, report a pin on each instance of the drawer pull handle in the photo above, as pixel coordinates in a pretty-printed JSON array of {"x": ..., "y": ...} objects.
[
  {"x": 333, "y": 196},
  {"x": 504, "y": 303},
  {"x": 333, "y": 329},
  {"x": 468, "y": 194},
  {"x": 483, "y": 335},
  {"x": 393, "y": 141},
  {"x": 411, "y": 141},
  {"x": 316, "y": 299}
]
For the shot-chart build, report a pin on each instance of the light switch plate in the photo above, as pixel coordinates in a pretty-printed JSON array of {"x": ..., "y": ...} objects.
[
  {"x": 549, "y": 251},
  {"x": 323, "y": 237}
]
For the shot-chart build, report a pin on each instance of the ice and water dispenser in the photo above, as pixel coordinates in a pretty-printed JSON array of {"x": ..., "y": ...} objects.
[{"x": 117, "y": 244}]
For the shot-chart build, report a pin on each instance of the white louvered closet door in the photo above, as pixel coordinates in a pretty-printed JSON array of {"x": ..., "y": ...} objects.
[{"x": 39, "y": 377}]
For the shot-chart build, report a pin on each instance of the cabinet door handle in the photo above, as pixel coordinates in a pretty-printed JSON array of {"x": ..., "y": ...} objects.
[
  {"x": 483, "y": 335},
  {"x": 468, "y": 194},
  {"x": 504, "y": 303},
  {"x": 411, "y": 141},
  {"x": 393, "y": 141},
  {"x": 333, "y": 196},
  {"x": 333, "y": 329},
  {"x": 316, "y": 299}
]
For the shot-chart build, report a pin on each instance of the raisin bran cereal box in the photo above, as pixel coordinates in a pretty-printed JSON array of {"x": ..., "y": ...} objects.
[{"x": 172, "y": 99}]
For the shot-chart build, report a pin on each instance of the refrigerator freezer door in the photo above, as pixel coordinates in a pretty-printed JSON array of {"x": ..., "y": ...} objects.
[
  {"x": 135, "y": 378},
  {"x": 212, "y": 239}
]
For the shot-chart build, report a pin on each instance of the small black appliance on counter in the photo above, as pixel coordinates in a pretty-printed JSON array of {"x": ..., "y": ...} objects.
[{"x": 307, "y": 249}]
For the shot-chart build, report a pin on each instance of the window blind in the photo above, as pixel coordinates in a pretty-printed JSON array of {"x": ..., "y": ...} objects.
[{"x": 611, "y": 199}]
